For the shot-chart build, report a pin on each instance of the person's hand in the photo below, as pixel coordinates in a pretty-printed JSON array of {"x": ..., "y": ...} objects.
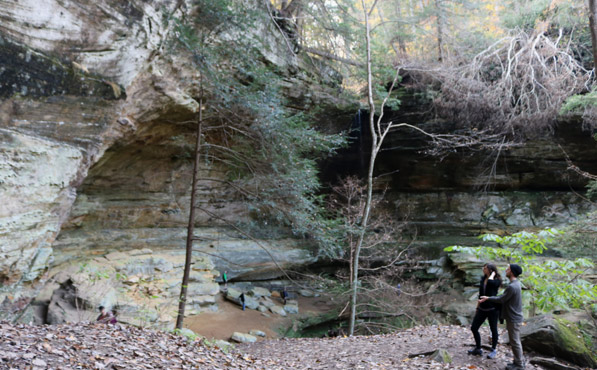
[
  {"x": 492, "y": 275},
  {"x": 483, "y": 299}
]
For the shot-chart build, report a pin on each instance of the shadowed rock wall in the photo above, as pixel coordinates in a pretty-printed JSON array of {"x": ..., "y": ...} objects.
[{"x": 452, "y": 198}]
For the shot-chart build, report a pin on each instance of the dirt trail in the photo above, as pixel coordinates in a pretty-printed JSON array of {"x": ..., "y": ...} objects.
[{"x": 391, "y": 351}]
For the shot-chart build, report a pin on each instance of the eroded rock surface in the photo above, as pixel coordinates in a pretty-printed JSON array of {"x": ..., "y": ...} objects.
[
  {"x": 556, "y": 335},
  {"x": 66, "y": 70},
  {"x": 94, "y": 140}
]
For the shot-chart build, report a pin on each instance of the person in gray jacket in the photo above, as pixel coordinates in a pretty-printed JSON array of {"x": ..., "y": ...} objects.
[{"x": 511, "y": 301}]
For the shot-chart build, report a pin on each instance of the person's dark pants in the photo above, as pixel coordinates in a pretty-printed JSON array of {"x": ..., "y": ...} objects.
[
  {"x": 492, "y": 317},
  {"x": 514, "y": 336}
]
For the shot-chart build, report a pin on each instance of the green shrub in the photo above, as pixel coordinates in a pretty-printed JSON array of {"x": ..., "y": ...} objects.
[{"x": 552, "y": 283}]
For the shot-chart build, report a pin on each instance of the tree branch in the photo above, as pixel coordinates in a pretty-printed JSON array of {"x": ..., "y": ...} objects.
[{"x": 326, "y": 55}]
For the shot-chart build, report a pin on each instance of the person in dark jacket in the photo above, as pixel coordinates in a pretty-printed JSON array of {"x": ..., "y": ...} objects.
[
  {"x": 242, "y": 300},
  {"x": 488, "y": 286},
  {"x": 284, "y": 295},
  {"x": 511, "y": 301}
]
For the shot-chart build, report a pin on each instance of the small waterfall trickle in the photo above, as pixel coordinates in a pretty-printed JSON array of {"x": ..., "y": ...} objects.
[{"x": 356, "y": 135}]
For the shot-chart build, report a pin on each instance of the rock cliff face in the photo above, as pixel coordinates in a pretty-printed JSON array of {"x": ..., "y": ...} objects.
[
  {"x": 95, "y": 159},
  {"x": 453, "y": 198},
  {"x": 95, "y": 154}
]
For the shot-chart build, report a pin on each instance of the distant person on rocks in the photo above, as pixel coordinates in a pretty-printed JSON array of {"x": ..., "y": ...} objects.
[
  {"x": 511, "y": 301},
  {"x": 225, "y": 279},
  {"x": 488, "y": 287},
  {"x": 242, "y": 300},
  {"x": 113, "y": 320},
  {"x": 284, "y": 295},
  {"x": 105, "y": 315}
]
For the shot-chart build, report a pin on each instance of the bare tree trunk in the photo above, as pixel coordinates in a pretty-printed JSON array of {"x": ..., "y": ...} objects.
[
  {"x": 379, "y": 131},
  {"x": 182, "y": 301},
  {"x": 593, "y": 27},
  {"x": 367, "y": 210},
  {"x": 400, "y": 39},
  {"x": 411, "y": 14},
  {"x": 441, "y": 26}
]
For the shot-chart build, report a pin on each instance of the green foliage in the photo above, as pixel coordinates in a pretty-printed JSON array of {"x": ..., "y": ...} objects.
[
  {"x": 515, "y": 248},
  {"x": 552, "y": 283},
  {"x": 269, "y": 149},
  {"x": 188, "y": 334},
  {"x": 579, "y": 238},
  {"x": 524, "y": 14},
  {"x": 576, "y": 104},
  {"x": 592, "y": 189}
]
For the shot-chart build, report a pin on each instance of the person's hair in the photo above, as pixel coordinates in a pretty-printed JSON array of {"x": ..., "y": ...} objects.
[
  {"x": 101, "y": 307},
  {"x": 493, "y": 268}
]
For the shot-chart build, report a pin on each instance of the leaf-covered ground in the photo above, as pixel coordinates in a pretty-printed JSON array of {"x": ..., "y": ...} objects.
[
  {"x": 408, "y": 349},
  {"x": 99, "y": 346}
]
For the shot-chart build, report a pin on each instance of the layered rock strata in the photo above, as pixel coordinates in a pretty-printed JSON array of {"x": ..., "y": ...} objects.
[{"x": 96, "y": 141}]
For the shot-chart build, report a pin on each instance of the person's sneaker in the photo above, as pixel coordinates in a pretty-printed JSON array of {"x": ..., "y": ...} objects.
[
  {"x": 492, "y": 354},
  {"x": 476, "y": 352}
]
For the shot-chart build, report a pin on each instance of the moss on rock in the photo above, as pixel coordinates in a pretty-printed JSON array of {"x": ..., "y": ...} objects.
[
  {"x": 558, "y": 336},
  {"x": 569, "y": 336}
]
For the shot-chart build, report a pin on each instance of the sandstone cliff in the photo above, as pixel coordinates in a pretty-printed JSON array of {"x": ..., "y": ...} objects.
[
  {"x": 96, "y": 147},
  {"x": 96, "y": 160}
]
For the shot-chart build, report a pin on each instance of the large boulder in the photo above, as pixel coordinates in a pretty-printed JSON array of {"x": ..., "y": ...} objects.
[
  {"x": 233, "y": 295},
  {"x": 460, "y": 312},
  {"x": 466, "y": 268},
  {"x": 442, "y": 356},
  {"x": 67, "y": 307},
  {"x": 556, "y": 336},
  {"x": 291, "y": 307},
  {"x": 243, "y": 337},
  {"x": 260, "y": 292},
  {"x": 148, "y": 298}
]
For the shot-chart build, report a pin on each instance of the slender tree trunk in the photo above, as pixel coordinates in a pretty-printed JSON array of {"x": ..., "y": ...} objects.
[
  {"x": 182, "y": 301},
  {"x": 441, "y": 25},
  {"x": 411, "y": 14},
  {"x": 367, "y": 210},
  {"x": 593, "y": 27},
  {"x": 400, "y": 38}
]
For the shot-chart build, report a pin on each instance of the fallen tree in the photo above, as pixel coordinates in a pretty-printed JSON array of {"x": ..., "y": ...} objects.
[{"x": 514, "y": 87}]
